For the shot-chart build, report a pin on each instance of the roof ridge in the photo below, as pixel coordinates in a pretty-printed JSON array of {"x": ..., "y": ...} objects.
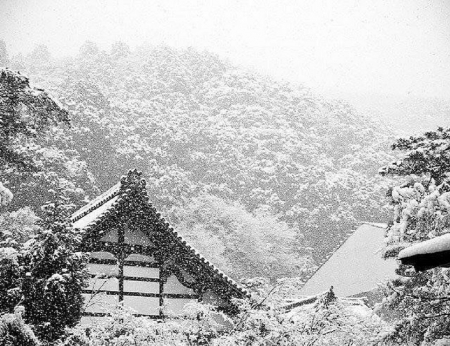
[
  {"x": 96, "y": 202},
  {"x": 375, "y": 224},
  {"x": 133, "y": 178}
]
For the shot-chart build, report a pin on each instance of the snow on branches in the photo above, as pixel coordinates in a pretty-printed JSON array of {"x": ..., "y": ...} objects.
[
  {"x": 6, "y": 195},
  {"x": 421, "y": 211},
  {"x": 24, "y": 112}
]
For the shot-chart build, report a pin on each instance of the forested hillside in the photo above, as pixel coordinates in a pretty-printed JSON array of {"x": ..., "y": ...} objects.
[{"x": 263, "y": 177}]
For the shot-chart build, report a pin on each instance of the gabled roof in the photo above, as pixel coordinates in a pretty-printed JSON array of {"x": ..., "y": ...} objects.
[
  {"x": 355, "y": 267},
  {"x": 109, "y": 203}
]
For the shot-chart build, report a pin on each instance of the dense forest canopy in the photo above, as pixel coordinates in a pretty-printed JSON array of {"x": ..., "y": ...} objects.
[{"x": 223, "y": 143}]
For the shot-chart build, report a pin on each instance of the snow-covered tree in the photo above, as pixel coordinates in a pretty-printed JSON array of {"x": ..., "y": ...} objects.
[
  {"x": 13, "y": 331},
  {"x": 54, "y": 273},
  {"x": 421, "y": 211},
  {"x": 41, "y": 277},
  {"x": 10, "y": 279},
  {"x": 241, "y": 243},
  {"x": 25, "y": 112},
  {"x": 5, "y": 196},
  {"x": 30, "y": 161},
  {"x": 195, "y": 124},
  {"x": 40, "y": 56},
  {"x": 199, "y": 325},
  {"x": 328, "y": 321},
  {"x": 16, "y": 228},
  {"x": 89, "y": 49},
  {"x": 119, "y": 50}
]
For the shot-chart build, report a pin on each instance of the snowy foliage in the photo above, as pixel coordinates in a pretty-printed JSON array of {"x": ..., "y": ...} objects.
[
  {"x": 329, "y": 321},
  {"x": 196, "y": 125},
  {"x": 427, "y": 155},
  {"x": 54, "y": 273},
  {"x": 25, "y": 112},
  {"x": 421, "y": 212},
  {"x": 30, "y": 161},
  {"x": 14, "y": 332},
  {"x": 10, "y": 279},
  {"x": 5, "y": 196},
  {"x": 17, "y": 227},
  {"x": 242, "y": 243},
  {"x": 197, "y": 326},
  {"x": 256, "y": 168},
  {"x": 43, "y": 274}
]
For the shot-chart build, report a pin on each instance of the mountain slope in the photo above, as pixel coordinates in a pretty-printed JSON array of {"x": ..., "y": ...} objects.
[{"x": 197, "y": 126}]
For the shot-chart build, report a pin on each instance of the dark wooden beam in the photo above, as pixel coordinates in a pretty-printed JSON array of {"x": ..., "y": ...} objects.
[
  {"x": 125, "y": 278},
  {"x": 422, "y": 262},
  {"x": 142, "y": 294},
  {"x": 94, "y": 260},
  {"x": 105, "y": 314},
  {"x": 161, "y": 291},
  {"x": 122, "y": 254}
]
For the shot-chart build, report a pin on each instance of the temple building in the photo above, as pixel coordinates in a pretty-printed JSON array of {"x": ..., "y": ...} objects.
[{"x": 138, "y": 259}]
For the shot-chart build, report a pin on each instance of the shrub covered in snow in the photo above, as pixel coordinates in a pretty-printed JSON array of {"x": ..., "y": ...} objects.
[
  {"x": 14, "y": 332},
  {"x": 5, "y": 195},
  {"x": 329, "y": 321},
  {"x": 198, "y": 326}
]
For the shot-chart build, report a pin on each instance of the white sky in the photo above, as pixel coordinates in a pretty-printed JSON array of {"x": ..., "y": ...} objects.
[{"x": 379, "y": 46}]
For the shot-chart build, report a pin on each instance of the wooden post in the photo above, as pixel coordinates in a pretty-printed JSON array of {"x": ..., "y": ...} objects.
[
  {"x": 161, "y": 291},
  {"x": 121, "y": 258}
]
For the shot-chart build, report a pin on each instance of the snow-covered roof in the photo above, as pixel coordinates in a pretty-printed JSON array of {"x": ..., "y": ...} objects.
[
  {"x": 355, "y": 267},
  {"x": 438, "y": 244},
  {"x": 95, "y": 212},
  {"x": 95, "y": 203},
  {"x": 99, "y": 208},
  {"x": 428, "y": 254}
]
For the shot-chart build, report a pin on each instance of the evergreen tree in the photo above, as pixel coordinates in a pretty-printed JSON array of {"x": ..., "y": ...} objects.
[
  {"x": 421, "y": 211},
  {"x": 426, "y": 156},
  {"x": 54, "y": 273}
]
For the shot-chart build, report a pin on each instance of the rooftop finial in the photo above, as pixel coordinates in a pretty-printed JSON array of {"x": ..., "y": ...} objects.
[{"x": 132, "y": 180}]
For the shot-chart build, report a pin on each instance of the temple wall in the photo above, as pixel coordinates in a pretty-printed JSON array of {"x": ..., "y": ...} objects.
[{"x": 143, "y": 289}]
